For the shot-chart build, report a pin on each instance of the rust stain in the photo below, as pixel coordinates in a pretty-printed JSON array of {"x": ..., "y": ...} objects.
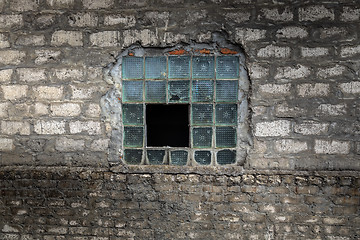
[
  {"x": 119, "y": 99},
  {"x": 131, "y": 54},
  {"x": 204, "y": 51},
  {"x": 227, "y": 51},
  {"x": 177, "y": 52}
]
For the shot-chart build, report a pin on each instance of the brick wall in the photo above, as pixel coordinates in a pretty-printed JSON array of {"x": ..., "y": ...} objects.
[{"x": 303, "y": 63}]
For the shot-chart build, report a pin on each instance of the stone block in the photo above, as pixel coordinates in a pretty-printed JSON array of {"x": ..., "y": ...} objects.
[
  {"x": 30, "y": 40},
  {"x": 99, "y": 145},
  {"x": 331, "y": 110},
  {"x": 284, "y": 110},
  {"x": 350, "y": 51},
  {"x": 244, "y": 35},
  {"x": 11, "y": 57},
  {"x": 238, "y": 17},
  {"x": 95, "y": 4},
  {"x": 272, "y": 51},
  {"x": 11, "y": 21},
  {"x": 275, "y": 89},
  {"x": 292, "y": 32},
  {"x": 4, "y": 41},
  {"x": 126, "y": 21},
  {"x": 296, "y": 72},
  {"x": 257, "y": 71},
  {"x": 65, "y": 109},
  {"x": 15, "y": 127},
  {"x": 4, "y": 109},
  {"x": 72, "y": 74},
  {"x": 311, "y": 128},
  {"x": 49, "y": 93},
  {"x": 314, "y": 52},
  {"x": 316, "y": 13},
  {"x": 15, "y": 92},
  {"x": 41, "y": 109},
  {"x": 5, "y": 75},
  {"x": 90, "y": 127},
  {"x": 275, "y": 14},
  {"x": 60, "y": 3},
  {"x": 31, "y": 74},
  {"x": 313, "y": 90},
  {"x": 336, "y": 70},
  {"x": 105, "y": 39},
  {"x": 50, "y": 127},
  {"x": 6, "y": 144},
  {"x": 350, "y": 87},
  {"x": 47, "y": 56},
  {"x": 273, "y": 129},
  {"x": 67, "y": 38},
  {"x": 350, "y": 14},
  {"x": 24, "y": 5},
  {"x": 290, "y": 146},
  {"x": 79, "y": 92},
  {"x": 88, "y": 19},
  {"x": 64, "y": 144},
  {"x": 146, "y": 37},
  {"x": 93, "y": 110},
  {"x": 331, "y": 147}
]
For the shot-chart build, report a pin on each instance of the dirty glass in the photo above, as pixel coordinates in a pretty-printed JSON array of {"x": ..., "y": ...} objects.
[
  {"x": 178, "y": 91},
  {"x": 226, "y": 114},
  {"x": 178, "y": 157},
  {"x": 155, "y": 67},
  {"x": 227, "y": 67},
  {"x": 203, "y": 157},
  {"x": 202, "y": 114},
  {"x": 226, "y": 91},
  {"x": 203, "y": 67},
  {"x": 202, "y": 91},
  {"x": 133, "y": 156},
  {"x": 133, "y": 67},
  {"x": 225, "y": 137},
  {"x": 132, "y": 91},
  {"x": 133, "y": 114},
  {"x": 155, "y": 157},
  {"x": 155, "y": 91},
  {"x": 179, "y": 67},
  {"x": 202, "y": 137},
  {"x": 133, "y": 136},
  {"x": 226, "y": 157}
]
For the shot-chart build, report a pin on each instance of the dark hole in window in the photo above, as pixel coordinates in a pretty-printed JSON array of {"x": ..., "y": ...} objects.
[{"x": 167, "y": 125}]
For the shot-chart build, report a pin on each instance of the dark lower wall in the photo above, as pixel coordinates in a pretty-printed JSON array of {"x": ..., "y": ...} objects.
[{"x": 54, "y": 203}]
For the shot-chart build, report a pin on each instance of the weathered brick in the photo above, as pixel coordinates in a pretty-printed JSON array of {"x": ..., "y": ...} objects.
[
  {"x": 79, "y": 92},
  {"x": 146, "y": 37},
  {"x": 276, "y": 14},
  {"x": 331, "y": 147},
  {"x": 15, "y": 92},
  {"x": 49, "y": 93},
  {"x": 257, "y": 71},
  {"x": 4, "y": 41},
  {"x": 337, "y": 33},
  {"x": 350, "y": 14},
  {"x": 65, "y": 109},
  {"x": 15, "y": 127},
  {"x": 31, "y": 74},
  {"x": 332, "y": 110},
  {"x": 87, "y": 19},
  {"x": 71, "y": 38},
  {"x": 5, "y": 75},
  {"x": 350, "y": 87},
  {"x": 314, "y": 52},
  {"x": 238, "y": 17},
  {"x": 24, "y": 5},
  {"x": 10, "y": 21},
  {"x": 244, "y": 35},
  {"x": 93, "y": 110},
  {"x": 30, "y": 40},
  {"x": 292, "y": 32},
  {"x": 336, "y": 70},
  {"x": 4, "y": 109},
  {"x": 275, "y": 89},
  {"x": 313, "y": 90},
  {"x": 105, "y": 39},
  {"x": 11, "y": 57},
  {"x": 334, "y": 221},
  {"x": 49, "y": 127},
  {"x": 41, "y": 109},
  {"x": 290, "y": 146},
  {"x": 91, "y": 127},
  {"x": 349, "y": 51},
  {"x": 127, "y": 21},
  {"x": 272, "y": 51},
  {"x": 297, "y": 72},
  {"x": 315, "y": 13},
  {"x": 72, "y": 74},
  {"x": 60, "y": 3},
  {"x": 47, "y": 56},
  {"x": 272, "y": 129},
  {"x": 311, "y": 128},
  {"x": 94, "y": 4},
  {"x": 6, "y": 144},
  {"x": 284, "y": 110},
  {"x": 64, "y": 144}
]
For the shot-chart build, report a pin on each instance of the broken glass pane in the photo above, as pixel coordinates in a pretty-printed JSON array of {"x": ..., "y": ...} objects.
[
  {"x": 203, "y": 157},
  {"x": 133, "y": 156},
  {"x": 133, "y": 136},
  {"x": 178, "y": 91},
  {"x": 226, "y": 157},
  {"x": 225, "y": 137},
  {"x": 202, "y": 137},
  {"x": 155, "y": 67},
  {"x": 203, "y": 67},
  {"x": 155, "y": 91},
  {"x": 179, "y": 67},
  {"x": 133, "y": 91},
  {"x": 226, "y": 91},
  {"x": 156, "y": 157},
  {"x": 227, "y": 67},
  {"x": 202, "y": 91},
  {"x": 226, "y": 113},
  {"x": 202, "y": 114},
  {"x": 133, "y": 68},
  {"x": 179, "y": 157},
  {"x": 133, "y": 114}
]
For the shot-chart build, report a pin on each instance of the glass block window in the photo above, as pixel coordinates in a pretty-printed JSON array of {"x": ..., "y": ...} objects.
[{"x": 206, "y": 85}]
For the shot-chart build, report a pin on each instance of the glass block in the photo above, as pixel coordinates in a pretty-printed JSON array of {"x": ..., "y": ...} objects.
[
  {"x": 227, "y": 67},
  {"x": 133, "y": 114},
  {"x": 202, "y": 91},
  {"x": 179, "y": 157},
  {"x": 155, "y": 91},
  {"x": 203, "y": 67},
  {"x": 133, "y": 136},
  {"x": 226, "y": 91},
  {"x": 156, "y": 157},
  {"x": 202, "y": 114},
  {"x": 132, "y": 91},
  {"x": 202, "y": 137},
  {"x": 155, "y": 67},
  {"x": 203, "y": 157},
  {"x": 178, "y": 91},
  {"x": 226, "y": 157},
  {"x": 225, "y": 137},
  {"x": 226, "y": 114},
  {"x": 179, "y": 67},
  {"x": 133, "y": 156},
  {"x": 132, "y": 68}
]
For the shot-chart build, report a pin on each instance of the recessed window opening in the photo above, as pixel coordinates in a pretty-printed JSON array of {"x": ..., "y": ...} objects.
[{"x": 167, "y": 125}]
